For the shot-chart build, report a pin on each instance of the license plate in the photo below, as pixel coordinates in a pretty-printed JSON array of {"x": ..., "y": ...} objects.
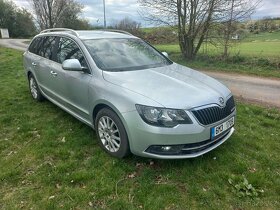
[{"x": 222, "y": 127}]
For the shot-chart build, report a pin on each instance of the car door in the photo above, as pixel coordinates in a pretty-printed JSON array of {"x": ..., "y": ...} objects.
[
  {"x": 36, "y": 60},
  {"x": 49, "y": 78},
  {"x": 32, "y": 60},
  {"x": 75, "y": 82}
]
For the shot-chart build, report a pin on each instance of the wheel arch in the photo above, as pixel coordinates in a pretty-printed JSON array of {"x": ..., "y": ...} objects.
[
  {"x": 106, "y": 104},
  {"x": 97, "y": 108},
  {"x": 29, "y": 73}
]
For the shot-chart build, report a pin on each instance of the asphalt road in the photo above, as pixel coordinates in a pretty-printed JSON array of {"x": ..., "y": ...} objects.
[
  {"x": 14, "y": 43},
  {"x": 264, "y": 91}
]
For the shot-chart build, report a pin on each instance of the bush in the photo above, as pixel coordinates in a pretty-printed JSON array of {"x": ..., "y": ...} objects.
[
  {"x": 18, "y": 21},
  {"x": 161, "y": 35},
  {"x": 264, "y": 62},
  {"x": 237, "y": 59}
]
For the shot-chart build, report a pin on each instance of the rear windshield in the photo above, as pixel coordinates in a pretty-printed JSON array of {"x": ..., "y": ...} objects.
[{"x": 124, "y": 54}]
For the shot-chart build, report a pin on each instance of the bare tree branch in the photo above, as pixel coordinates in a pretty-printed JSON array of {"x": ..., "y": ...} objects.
[
  {"x": 51, "y": 13},
  {"x": 193, "y": 18}
]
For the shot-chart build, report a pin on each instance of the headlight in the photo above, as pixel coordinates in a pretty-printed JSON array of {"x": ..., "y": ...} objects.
[{"x": 163, "y": 117}]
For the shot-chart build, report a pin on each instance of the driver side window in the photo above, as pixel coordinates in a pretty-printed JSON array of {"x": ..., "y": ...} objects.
[{"x": 68, "y": 49}]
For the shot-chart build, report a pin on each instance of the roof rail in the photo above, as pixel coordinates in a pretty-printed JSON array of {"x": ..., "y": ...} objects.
[
  {"x": 115, "y": 30},
  {"x": 60, "y": 29}
]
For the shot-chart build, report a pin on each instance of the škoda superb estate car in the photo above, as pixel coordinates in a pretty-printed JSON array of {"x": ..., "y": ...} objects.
[{"x": 135, "y": 98}]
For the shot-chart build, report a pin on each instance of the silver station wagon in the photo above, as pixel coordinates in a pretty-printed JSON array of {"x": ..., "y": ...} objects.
[{"x": 137, "y": 99}]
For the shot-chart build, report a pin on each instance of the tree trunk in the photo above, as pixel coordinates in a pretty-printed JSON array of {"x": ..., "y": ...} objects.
[
  {"x": 49, "y": 7},
  {"x": 228, "y": 30},
  {"x": 225, "y": 54},
  {"x": 187, "y": 46}
]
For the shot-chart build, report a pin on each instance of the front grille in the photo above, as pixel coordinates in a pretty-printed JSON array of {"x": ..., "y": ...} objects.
[{"x": 214, "y": 114}]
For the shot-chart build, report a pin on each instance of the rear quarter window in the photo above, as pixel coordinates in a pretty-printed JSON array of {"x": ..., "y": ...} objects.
[{"x": 35, "y": 45}]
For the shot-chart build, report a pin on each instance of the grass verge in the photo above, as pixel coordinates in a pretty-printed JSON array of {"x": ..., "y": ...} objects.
[
  {"x": 50, "y": 160},
  {"x": 259, "y": 65}
]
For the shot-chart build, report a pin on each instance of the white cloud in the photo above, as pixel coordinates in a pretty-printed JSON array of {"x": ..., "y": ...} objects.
[
  {"x": 115, "y": 10},
  {"x": 267, "y": 8},
  {"x": 119, "y": 9},
  {"x": 22, "y": 3}
]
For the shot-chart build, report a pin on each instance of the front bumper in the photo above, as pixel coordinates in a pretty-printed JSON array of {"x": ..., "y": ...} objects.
[{"x": 194, "y": 139}]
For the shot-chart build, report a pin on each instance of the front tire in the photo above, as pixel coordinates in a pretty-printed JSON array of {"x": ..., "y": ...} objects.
[
  {"x": 34, "y": 89},
  {"x": 111, "y": 133}
]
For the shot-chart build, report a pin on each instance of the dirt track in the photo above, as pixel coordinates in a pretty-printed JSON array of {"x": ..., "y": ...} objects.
[{"x": 259, "y": 90}]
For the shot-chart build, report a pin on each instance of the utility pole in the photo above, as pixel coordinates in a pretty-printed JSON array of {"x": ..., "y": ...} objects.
[{"x": 104, "y": 13}]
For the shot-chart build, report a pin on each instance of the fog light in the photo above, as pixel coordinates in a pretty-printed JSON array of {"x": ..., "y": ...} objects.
[{"x": 165, "y": 150}]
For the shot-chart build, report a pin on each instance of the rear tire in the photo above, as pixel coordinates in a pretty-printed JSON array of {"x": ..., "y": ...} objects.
[
  {"x": 111, "y": 133},
  {"x": 34, "y": 89}
]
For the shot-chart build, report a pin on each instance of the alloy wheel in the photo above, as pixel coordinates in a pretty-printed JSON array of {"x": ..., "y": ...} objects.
[
  {"x": 33, "y": 88},
  {"x": 109, "y": 134}
]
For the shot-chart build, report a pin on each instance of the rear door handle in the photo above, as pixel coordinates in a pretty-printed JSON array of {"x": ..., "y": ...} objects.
[
  {"x": 53, "y": 73},
  {"x": 34, "y": 64}
]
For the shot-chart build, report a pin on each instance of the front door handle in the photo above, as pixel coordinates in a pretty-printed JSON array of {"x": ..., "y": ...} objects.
[
  {"x": 34, "y": 64},
  {"x": 53, "y": 73}
]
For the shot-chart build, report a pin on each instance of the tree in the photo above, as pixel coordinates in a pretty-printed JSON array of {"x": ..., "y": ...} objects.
[
  {"x": 193, "y": 19},
  {"x": 267, "y": 24},
  {"x": 56, "y": 13},
  {"x": 234, "y": 11},
  {"x": 18, "y": 21},
  {"x": 24, "y": 25},
  {"x": 71, "y": 19},
  {"x": 128, "y": 25},
  {"x": 7, "y": 14}
]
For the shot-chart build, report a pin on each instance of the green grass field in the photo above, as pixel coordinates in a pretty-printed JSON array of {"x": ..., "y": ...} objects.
[
  {"x": 254, "y": 67},
  {"x": 263, "y": 49},
  {"x": 50, "y": 160},
  {"x": 264, "y": 36},
  {"x": 255, "y": 45},
  {"x": 258, "y": 54},
  {"x": 260, "y": 58}
]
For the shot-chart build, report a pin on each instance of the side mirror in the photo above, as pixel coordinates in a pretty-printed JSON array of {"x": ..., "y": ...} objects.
[
  {"x": 165, "y": 54},
  {"x": 72, "y": 65}
]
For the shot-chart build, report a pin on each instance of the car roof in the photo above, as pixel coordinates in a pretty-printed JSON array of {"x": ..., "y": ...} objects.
[
  {"x": 88, "y": 34},
  {"x": 102, "y": 34}
]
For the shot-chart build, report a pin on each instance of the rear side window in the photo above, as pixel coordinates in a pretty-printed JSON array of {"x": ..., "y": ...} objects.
[
  {"x": 68, "y": 49},
  {"x": 46, "y": 47},
  {"x": 35, "y": 45}
]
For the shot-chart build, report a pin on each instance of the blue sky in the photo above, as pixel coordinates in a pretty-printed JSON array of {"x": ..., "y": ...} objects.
[{"x": 118, "y": 9}]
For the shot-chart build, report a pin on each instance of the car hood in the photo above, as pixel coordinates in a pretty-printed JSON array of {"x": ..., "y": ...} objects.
[{"x": 172, "y": 86}]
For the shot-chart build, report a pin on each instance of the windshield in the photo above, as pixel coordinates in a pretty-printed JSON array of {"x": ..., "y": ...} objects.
[{"x": 124, "y": 54}]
